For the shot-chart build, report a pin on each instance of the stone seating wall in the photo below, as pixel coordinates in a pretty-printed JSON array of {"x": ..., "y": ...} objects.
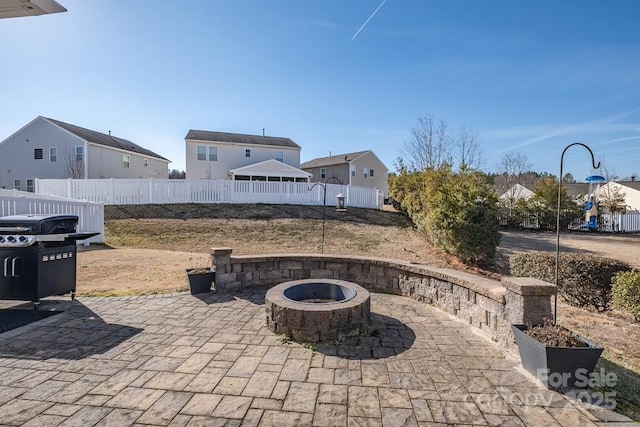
[{"x": 488, "y": 305}]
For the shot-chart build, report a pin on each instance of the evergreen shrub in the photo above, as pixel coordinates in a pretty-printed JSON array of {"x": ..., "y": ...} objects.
[
  {"x": 626, "y": 293},
  {"x": 584, "y": 280}
]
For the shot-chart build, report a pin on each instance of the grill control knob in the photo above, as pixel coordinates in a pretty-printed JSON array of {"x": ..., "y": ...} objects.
[
  {"x": 1, "y": 239},
  {"x": 11, "y": 239},
  {"x": 22, "y": 238}
]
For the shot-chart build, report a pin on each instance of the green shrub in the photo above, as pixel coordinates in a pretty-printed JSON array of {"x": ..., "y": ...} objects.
[
  {"x": 462, "y": 215},
  {"x": 458, "y": 211},
  {"x": 584, "y": 280},
  {"x": 625, "y": 293}
]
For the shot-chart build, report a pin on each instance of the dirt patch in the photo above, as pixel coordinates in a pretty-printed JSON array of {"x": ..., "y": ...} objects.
[
  {"x": 150, "y": 246},
  {"x": 623, "y": 247},
  {"x": 128, "y": 271}
]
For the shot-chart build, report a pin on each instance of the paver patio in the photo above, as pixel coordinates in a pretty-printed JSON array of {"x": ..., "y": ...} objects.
[{"x": 180, "y": 360}]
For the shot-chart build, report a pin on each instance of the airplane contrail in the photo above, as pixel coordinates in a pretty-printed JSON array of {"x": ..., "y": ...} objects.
[{"x": 368, "y": 19}]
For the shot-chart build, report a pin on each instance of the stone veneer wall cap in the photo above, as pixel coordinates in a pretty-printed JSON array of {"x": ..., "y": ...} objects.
[
  {"x": 221, "y": 250},
  {"x": 529, "y": 286},
  {"x": 482, "y": 285},
  {"x": 490, "y": 288}
]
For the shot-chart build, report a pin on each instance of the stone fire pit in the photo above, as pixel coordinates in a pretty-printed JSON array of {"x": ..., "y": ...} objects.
[{"x": 317, "y": 310}]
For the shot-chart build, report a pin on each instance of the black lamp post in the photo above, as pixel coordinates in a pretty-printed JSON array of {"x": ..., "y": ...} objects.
[
  {"x": 324, "y": 203},
  {"x": 593, "y": 162}
]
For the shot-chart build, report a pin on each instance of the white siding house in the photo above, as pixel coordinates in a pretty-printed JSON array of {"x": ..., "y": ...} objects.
[
  {"x": 515, "y": 193},
  {"x": 360, "y": 169},
  {"x": 49, "y": 149},
  {"x": 579, "y": 191},
  {"x": 213, "y": 155},
  {"x": 629, "y": 189}
]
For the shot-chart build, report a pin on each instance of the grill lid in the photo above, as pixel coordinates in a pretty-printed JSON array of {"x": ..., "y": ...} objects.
[{"x": 38, "y": 224}]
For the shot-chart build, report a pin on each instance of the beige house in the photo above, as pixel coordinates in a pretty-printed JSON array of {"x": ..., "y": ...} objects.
[
  {"x": 361, "y": 169},
  {"x": 221, "y": 155},
  {"x": 50, "y": 149}
]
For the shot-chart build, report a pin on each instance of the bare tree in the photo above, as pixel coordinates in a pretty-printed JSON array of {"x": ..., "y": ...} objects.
[
  {"x": 73, "y": 165},
  {"x": 611, "y": 196},
  {"x": 514, "y": 164},
  {"x": 514, "y": 168},
  {"x": 467, "y": 151},
  {"x": 433, "y": 145},
  {"x": 428, "y": 147}
]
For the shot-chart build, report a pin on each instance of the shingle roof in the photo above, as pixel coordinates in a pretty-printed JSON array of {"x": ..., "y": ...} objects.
[
  {"x": 631, "y": 184},
  {"x": 338, "y": 159},
  {"x": 575, "y": 189},
  {"x": 239, "y": 138},
  {"x": 104, "y": 139}
]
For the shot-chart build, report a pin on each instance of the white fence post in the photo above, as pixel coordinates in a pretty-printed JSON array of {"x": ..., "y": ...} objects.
[
  {"x": 90, "y": 214},
  {"x": 140, "y": 191}
]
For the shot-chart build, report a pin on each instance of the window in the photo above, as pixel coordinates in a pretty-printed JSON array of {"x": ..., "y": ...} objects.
[
  {"x": 213, "y": 154},
  {"x": 247, "y": 152},
  {"x": 365, "y": 172},
  {"x": 37, "y": 153},
  {"x": 202, "y": 152},
  {"x": 323, "y": 173},
  {"x": 353, "y": 170},
  {"x": 145, "y": 162},
  {"x": 126, "y": 161},
  {"x": 280, "y": 156},
  {"x": 79, "y": 153},
  {"x": 371, "y": 173},
  {"x": 17, "y": 184},
  {"x": 30, "y": 185},
  {"x": 53, "y": 154}
]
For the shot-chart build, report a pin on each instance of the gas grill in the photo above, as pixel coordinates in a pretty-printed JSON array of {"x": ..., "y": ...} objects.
[{"x": 38, "y": 256}]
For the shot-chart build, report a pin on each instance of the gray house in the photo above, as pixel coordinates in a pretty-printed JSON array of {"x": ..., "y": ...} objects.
[
  {"x": 360, "y": 169},
  {"x": 48, "y": 148},
  {"x": 219, "y": 155}
]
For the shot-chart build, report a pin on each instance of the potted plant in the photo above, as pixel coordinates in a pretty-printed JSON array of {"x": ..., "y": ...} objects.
[
  {"x": 200, "y": 279},
  {"x": 556, "y": 356}
]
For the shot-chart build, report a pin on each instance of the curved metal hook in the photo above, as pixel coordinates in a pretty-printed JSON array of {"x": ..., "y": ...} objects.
[
  {"x": 323, "y": 184},
  {"x": 593, "y": 159},
  {"x": 593, "y": 162},
  {"x": 324, "y": 203}
]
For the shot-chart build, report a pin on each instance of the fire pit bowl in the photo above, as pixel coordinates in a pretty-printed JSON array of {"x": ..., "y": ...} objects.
[{"x": 317, "y": 310}]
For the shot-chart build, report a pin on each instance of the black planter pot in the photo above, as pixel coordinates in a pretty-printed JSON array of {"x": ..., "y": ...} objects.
[
  {"x": 557, "y": 367},
  {"x": 199, "y": 281}
]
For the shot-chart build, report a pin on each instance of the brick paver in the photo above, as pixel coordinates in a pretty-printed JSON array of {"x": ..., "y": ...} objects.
[{"x": 180, "y": 360}]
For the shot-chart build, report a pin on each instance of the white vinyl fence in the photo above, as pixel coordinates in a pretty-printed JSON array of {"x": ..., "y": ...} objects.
[
  {"x": 627, "y": 223},
  {"x": 164, "y": 191},
  {"x": 90, "y": 214}
]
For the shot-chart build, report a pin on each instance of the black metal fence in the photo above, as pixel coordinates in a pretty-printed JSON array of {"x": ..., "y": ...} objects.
[
  {"x": 538, "y": 221},
  {"x": 546, "y": 221}
]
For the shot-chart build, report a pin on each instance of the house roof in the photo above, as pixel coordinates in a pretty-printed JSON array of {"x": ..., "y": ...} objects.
[
  {"x": 517, "y": 192},
  {"x": 19, "y": 8},
  {"x": 635, "y": 185},
  {"x": 239, "y": 138},
  {"x": 576, "y": 189},
  {"x": 338, "y": 159},
  {"x": 104, "y": 139},
  {"x": 270, "y": 167}
]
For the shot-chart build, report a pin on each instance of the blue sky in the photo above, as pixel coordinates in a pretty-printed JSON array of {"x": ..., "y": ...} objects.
[{"x": 530, "y": 77}]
